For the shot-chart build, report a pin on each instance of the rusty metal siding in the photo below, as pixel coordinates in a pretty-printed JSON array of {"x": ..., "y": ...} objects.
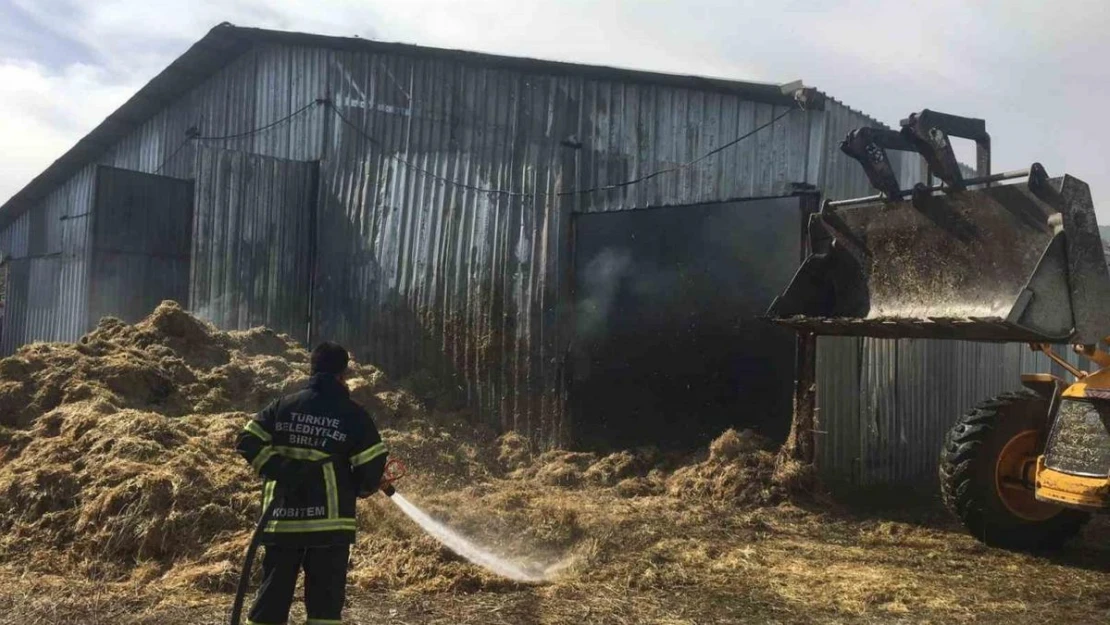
[{"x": 251, "y": 246}]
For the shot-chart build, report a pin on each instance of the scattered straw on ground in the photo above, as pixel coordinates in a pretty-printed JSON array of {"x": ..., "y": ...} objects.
[{"x": 122, "y": 501}]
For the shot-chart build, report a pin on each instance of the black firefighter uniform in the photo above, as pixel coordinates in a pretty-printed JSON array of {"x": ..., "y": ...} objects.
[{"x": 316, "y": 451}]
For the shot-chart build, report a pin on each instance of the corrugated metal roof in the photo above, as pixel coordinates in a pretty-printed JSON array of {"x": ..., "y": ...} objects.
[{"x": 226, "y": 42}]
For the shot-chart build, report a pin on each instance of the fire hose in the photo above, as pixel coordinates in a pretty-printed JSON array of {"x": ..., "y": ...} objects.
[{"x": 394, "y": 470}]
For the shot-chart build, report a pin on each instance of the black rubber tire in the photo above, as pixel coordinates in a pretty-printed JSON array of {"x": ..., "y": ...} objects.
[{"x": 968, "y": 464}]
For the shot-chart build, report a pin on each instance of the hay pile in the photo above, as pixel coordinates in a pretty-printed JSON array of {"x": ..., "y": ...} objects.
[
  {"x": 117, "y": 463},
  {"x": 740, "y": 468},
  {"x": 171, "y": 364},
  {"x": 117, "y": 451}
]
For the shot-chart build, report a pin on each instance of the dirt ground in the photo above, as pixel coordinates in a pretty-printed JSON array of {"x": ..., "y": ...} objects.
[{"x": 122, "y": 502}]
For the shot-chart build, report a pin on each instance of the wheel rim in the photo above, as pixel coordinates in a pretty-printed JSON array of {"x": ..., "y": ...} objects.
[{"x": 1013, "y": 482}]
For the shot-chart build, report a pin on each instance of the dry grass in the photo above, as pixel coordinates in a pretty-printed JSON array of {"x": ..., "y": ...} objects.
[
  {"x": 779, "y": 564},
  {"x": 121, "y": 501}
]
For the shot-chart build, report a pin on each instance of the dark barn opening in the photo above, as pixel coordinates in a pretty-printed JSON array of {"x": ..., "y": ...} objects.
[
  {"x": 141, "y": 238},
  {"x": 669, "y": 346}
]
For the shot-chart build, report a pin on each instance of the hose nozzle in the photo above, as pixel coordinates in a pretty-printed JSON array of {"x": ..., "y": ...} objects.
[{"x": 394, "y": 470}]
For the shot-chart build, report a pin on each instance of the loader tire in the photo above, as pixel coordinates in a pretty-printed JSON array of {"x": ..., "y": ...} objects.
[{"x": 968, "y": 473}]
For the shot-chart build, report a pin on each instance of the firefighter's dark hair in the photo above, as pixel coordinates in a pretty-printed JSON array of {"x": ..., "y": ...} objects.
[{"x": 329, "y": 357}]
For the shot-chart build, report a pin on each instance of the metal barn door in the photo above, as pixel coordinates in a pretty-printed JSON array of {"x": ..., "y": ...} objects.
[
  {"x": 142, "y": 226},
  {"x": 253, "y": 241},
  {"x": 669, "y": 349}
]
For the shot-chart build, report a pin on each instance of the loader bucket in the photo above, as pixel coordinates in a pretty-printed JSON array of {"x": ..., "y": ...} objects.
[{"x": 1011, "y": 262}]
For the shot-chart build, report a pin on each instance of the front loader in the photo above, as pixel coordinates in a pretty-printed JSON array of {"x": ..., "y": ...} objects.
[{"x": 1011, "y": 257}]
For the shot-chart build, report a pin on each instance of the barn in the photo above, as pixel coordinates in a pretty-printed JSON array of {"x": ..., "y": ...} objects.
[{"x": 580, "y": 253}]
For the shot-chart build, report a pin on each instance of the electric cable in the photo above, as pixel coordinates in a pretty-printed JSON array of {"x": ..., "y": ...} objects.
[
  {"x": 239, "y": 135},
  {"x": 618, "y": 185},
  {"x": 254, "y": 131},
  {"x": 505, "y": 192}
]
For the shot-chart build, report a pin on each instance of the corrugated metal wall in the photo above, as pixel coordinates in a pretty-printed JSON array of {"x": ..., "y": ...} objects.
[
  {"x": 253, "y": 91},
  {"x": 54, "y": 253},
  {"x": 142, "y": 228},
  {"x": 885, "y": 406},
  {"x": 49, "y": 260},
  {"x": 434, "y": 275},
  {"x": 252, "y": 241},
  {"x": 416, "y": 274}
]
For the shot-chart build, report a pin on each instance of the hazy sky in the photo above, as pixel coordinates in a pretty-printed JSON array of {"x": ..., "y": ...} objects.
[{"x": 1038, "y": 72}]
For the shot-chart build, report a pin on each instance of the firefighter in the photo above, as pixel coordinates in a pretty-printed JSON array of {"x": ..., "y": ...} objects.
[{"x": 316, "y": 451}]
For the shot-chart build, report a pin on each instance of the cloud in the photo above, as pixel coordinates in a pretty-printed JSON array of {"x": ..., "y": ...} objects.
[
  {"x": 43, "y": 112},
  {"x": 1033, "y": 70},
  {"x": 129, "y": 36},
  {"x": 24, "y": 37},
  {"x": 65, "y": 66}
]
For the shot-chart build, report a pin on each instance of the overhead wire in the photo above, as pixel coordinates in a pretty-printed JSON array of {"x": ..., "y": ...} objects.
[
  {"x": 173, "y": 155},
  {"x": 260, "y": 129},
  {"x": 239, "y": 135},
  {"x": 358, "y": 129},
  {"x": 618, "y": 185}
]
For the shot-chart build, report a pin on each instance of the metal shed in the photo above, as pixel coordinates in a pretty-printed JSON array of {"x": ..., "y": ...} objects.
[{"x": 418, "y": 204}]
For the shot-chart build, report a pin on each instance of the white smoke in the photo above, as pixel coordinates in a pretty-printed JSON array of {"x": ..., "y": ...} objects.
[
  {"x": 601, "y": 280},
  {"x": 210, "y": 310}
]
